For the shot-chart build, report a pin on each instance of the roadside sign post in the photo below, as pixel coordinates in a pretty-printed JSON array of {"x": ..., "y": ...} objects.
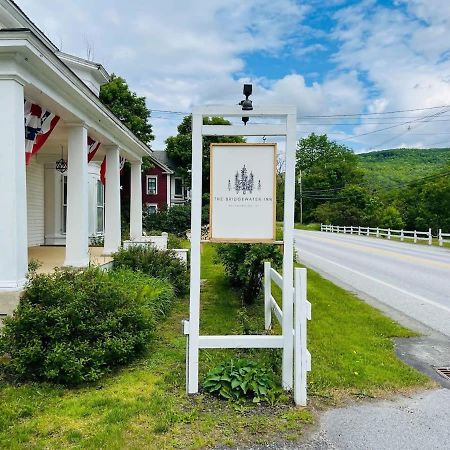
[{"x": 286, "y": 129}]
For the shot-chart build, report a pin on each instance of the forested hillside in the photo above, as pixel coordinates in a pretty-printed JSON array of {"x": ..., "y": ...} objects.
[
  {"x": 388, "y": 169},
  {"x": 390, "y": 189}
]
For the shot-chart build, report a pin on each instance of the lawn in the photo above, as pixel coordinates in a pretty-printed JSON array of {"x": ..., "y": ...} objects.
[
  {"x": 307, "y": 226},
  {"x": 145, "y": 406}
]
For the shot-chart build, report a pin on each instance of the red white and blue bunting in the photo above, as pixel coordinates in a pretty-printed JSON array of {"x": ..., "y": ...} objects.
[
  {"x": 39, "y": 124},
  {"x": 93, "y": 146},
  {"x": 103, "y": 168}
]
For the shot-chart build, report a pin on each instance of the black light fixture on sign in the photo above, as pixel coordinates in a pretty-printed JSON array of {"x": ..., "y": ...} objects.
[
  {"x": 246, "y": 104},
  {"x": 61, "y": 164}
]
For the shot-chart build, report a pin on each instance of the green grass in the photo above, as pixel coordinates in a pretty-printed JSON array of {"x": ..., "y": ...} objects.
[
  {"x": 145, "y": 406},
  {"x": 307, "y": 226}
]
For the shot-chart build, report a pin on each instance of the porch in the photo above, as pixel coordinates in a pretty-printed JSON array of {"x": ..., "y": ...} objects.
[
  {"x": 51, "y": 257},
  {"x": 54, "y": 191}
]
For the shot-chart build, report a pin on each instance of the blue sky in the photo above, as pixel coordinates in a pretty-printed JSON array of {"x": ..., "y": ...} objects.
[{"x": 329, "y": 57}]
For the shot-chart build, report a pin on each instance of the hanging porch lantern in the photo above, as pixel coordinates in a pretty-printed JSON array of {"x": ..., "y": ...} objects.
[{"x": 61, "y": 164}]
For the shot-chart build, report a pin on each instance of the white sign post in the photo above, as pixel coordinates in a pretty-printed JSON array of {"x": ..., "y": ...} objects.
[
  {"x": 287, "y": 129},
  {"x": 243, "y": 193}
]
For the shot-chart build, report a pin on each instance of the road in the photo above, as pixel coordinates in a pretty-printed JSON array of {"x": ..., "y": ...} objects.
[{"x": 410, "y": 278}]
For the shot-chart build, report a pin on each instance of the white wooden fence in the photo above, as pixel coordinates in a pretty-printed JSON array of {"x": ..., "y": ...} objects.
[
  {"x": 294, "y": 338},
  {"x": 442, "y": 237},
  {"x": 383, "y": 232},
  {"x": 302, "y": 313}
]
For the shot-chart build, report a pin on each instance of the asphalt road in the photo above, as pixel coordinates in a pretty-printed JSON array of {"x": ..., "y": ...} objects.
[{"x": 410, "y": 278}]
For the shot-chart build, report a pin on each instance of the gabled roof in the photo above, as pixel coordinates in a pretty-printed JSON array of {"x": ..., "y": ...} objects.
[
  {"x": 20, "y": 29},
  {"x": 18, "y": 19},
  {"x": 97, "y": 70},
  {"x": 160, "y": 158}
]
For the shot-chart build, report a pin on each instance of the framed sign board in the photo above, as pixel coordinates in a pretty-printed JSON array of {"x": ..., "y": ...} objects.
[{"x": 243, "y": 192}]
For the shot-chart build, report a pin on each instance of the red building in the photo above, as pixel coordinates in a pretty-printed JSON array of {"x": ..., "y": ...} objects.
[{"x": 160, "y": 186}]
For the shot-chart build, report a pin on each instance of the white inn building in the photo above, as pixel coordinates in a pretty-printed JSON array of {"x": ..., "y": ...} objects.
[{"x": 50, "y": 111}]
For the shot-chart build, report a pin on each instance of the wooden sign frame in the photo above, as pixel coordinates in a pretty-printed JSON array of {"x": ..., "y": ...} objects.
[{"x": 272, "y": 239}]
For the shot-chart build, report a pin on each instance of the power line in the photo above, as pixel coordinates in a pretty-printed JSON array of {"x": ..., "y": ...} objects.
[
  {"x": 394, "y": 126},
  {"x": 380, "y": 113},
  {"x": 322, "y": 195},
  {"x": 165, "y": 111}
]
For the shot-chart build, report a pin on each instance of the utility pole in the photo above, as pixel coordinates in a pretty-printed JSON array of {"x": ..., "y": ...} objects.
[{"x": 301, "y": 196}]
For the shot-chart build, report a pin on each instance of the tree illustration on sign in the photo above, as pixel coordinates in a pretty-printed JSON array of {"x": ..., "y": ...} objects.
[{"x": 243, "y": 181}]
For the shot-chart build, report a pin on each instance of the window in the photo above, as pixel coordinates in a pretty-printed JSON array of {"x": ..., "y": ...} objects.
[
  {"x": 100, "y": 207},
  {"x": 152, "y": 184},
  {"x": 152, "y": 208},
  {"x": 179, "y": 190},
  {"x": 64, "y": 203}
]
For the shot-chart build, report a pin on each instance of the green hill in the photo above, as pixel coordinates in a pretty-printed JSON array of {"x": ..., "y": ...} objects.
[{"x": 388, "y": 169}]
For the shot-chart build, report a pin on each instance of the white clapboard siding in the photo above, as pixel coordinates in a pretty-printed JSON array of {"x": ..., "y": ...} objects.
[{"x": 35, "y": 203}]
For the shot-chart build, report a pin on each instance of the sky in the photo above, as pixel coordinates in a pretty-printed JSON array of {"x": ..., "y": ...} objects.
[{"x": 356, "y": 61}]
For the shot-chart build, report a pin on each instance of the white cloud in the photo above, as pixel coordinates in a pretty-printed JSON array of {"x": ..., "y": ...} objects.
[
  {"x": 402, "y": 55},
  {"x": 179, "y": 54}
]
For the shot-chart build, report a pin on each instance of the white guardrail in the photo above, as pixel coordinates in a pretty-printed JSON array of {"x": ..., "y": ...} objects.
[
  {"x": 302, "y": 313},
  {"x": 386, "y": 232},
  {"x": 442, "y": 236}
]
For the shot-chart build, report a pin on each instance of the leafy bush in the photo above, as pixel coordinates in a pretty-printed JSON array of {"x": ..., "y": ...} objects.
[
  {"x": 72, "y": 326},
  {"x": 96, "y": 241},
  {"x": 244, "y": 265},
  {"x": 174, "y": 241},
  {"x": 242, "y": 379},
  {"x": 156, "y": 263},
  {"x": 390, "y": 217},
  {"x": 176, "y": 219}
]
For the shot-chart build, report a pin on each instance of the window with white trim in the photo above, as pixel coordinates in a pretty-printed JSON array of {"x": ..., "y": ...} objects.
[
  {"x": 100, "y": 207},
  {"x": 152, "y": 208},
  {"x": 64, "y": 204},
  {"x": 152, "y": 184},
  {"x": 179, "y": 188}
]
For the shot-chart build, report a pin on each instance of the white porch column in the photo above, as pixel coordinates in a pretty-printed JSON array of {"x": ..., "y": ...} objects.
[
  {"x": 13, "y": 202},
  {"x": 136, "y": 200},
  {"x": 77, "y": 229},
  {"x": 113, "y": 235}
]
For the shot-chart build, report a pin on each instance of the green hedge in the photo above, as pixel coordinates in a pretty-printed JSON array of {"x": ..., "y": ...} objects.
[
  {"x": 176, "y": 219},
  {"x": 72, "y": 327},
  {"x": 155, "y": 263}
]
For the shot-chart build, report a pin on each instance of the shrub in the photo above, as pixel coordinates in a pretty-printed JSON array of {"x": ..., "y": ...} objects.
[
  {"x": 244, "y": 265},
  {"x": 156, "y": 263},
  {"x": 176, "y": 219},
  {"x": 390, "y": 217},
  {"x": 72, "y": 327},
  {"x": 174, "y": 241},
  {"x": 242, "y": 379}
]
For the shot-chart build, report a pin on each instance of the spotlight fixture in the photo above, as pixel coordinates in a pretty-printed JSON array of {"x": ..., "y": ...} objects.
[{"x": 246, "y": 104}]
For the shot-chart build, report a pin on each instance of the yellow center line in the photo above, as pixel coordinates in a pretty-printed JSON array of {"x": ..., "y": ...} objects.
[{"x": 389, "y": 253}]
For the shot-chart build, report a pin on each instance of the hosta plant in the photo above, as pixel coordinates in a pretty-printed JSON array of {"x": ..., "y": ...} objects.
[{"x": 242, "y": 379}]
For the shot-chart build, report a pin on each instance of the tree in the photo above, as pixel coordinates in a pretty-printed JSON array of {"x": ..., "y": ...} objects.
[
  {"x": 352, "y": 206},
  {"x": 390, "y": 217},
  {"x": 426, "y": 204},
  {"x": 132, "y": 111},
  {"x": 179, "y": 147},
  {"x": 327, "y": 168},
  {"x": 128, "y": 107}
]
